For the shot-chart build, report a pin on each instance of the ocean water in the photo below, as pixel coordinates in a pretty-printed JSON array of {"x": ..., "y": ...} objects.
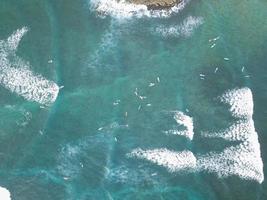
[{"x": 106, "y": 100}]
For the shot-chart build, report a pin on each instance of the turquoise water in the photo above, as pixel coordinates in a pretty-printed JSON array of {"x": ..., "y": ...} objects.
[{"x": 76, "y": 148}]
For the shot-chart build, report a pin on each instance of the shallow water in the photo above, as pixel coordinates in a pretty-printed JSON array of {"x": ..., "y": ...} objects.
[{"x": 123, "y": 77}]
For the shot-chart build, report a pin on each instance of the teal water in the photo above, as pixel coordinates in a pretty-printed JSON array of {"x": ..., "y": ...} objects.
[{"x": 76, "y": 148}]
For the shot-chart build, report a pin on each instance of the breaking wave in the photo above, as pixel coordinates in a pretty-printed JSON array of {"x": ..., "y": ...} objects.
[
  {"x": 16, "y": 76},
  {"x": 122, "y": 9},
  {"x": 241, "y": 102},
  {"x": 243, "y": 160}
]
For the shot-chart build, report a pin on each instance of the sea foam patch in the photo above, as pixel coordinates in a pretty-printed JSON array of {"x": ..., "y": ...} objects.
[
  {"x": 121, "y": 9},
  {"x": 14, "y": 39},
  {"x": 4, "y": 194},
  {"x": 16, "y": 76},
  {"x": 185, "y": 29}
]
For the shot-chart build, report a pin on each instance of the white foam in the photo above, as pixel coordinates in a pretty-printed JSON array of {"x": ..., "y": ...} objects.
[
  {"x": 4, "y": 194},
  {"x": 185, "y": 29},
  {"x": 120, "y": 9},
  {"x": 243, "y": 160},
  {"x": 246, "y": 157},
  {"x": 16, "y": 76},
  {"x": 241, "y": 102},
  {"x": 32, "y": 87},
  {"x": 173, "y": 161},
  {"x": 14, "y": 39},
  {"x": 241, "y": 130},
  {"x": 186, "y": 122}
]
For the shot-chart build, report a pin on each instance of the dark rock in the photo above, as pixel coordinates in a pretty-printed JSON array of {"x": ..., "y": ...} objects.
[{"x": 156, "y": 4}]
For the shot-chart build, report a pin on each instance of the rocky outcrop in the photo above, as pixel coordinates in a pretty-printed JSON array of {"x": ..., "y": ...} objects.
[{"x": 156, "y": 4}]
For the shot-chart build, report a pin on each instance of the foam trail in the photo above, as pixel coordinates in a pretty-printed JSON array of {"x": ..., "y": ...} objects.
[
  {"x": 120, "y": 9},
  {"x": 173, "y": 161},
  {"x": 108, "y": 43},
  {"x": 16, "y": 76},
  {"x": 185, "y": 121},
  {"x": 4, "y": 194},
  {"x": 185, "y": 29}
]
